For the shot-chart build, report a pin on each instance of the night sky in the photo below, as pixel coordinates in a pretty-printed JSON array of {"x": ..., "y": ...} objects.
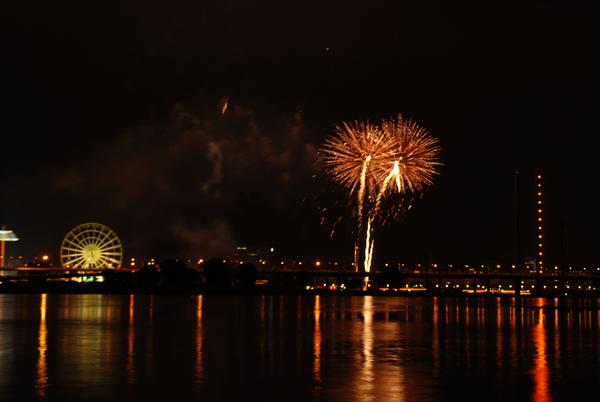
[{"x": 112, "y": 114}]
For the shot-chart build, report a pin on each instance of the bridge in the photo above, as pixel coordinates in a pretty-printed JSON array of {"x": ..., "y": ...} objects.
[
  {"x": 351, "y": 281},
  {"x": 455, "y": 282}
]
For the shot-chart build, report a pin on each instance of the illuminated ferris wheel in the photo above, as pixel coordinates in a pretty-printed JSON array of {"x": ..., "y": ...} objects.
[{"x": 91, "y": 246}]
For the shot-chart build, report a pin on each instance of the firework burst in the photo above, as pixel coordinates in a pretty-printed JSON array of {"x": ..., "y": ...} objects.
[
  {"x": 374, "y": 161},
  {"x": 351, "y": 154},
  {"x": 415, "y": 151}
]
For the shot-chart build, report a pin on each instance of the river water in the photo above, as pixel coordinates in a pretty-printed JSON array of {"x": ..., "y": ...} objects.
[{"x": 294, "y": 348}]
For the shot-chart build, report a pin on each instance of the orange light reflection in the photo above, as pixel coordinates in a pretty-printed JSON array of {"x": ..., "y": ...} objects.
[
  {"x": 130, "y": 339},
  {"x": 540, "y": 374},
  {"x": 436, "y": 334},
  {"x": 41, "y": 383},
  {"x": 199, "y": 340},
  {"x": 317, "y": 340},
  {"x": 367, "y": 382}
]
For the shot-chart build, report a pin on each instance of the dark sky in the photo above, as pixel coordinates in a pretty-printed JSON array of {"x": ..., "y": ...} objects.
[{"x": 112, "y": 115}]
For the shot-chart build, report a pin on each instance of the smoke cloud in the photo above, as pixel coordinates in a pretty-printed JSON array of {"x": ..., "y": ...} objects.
[
  {"x": 195, "y": 183},
  {"x": 212, "y": 240}
]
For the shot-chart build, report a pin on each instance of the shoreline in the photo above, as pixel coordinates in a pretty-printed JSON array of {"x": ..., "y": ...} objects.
[{"x": 109, "y": 289}]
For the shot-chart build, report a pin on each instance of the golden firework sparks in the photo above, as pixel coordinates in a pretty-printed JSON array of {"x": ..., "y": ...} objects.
[{"x": 366, "y": 158}]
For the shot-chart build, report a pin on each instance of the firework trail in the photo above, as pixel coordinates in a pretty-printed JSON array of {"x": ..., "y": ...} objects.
[
  {"x": 361, "y": 198},
  {"x": 365, "y": 158},
  {"x": 223, "y": 105},
  {"x": 369, "y": 243},
  {"x": 362, "y": 188},
  {"x": 394, "y": 173},
  {"x": 350, "y": 158}
]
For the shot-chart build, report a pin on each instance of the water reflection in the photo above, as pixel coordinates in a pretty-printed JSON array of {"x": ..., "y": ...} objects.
[
  {"x": 150, "y": 336},
  {"x": 199, "y": 340},
  {"x": 131, "y": 340},
  {"x": 366, "y": 381},
  {"x": 41, "y": 382},
  {"x": 317, "y": 340},
  {"x": 499, "y": 336},
  {"x": 541, "y": 374},
  {"x": 436, "y": 334},
  {"x": 294, "y": 348}
]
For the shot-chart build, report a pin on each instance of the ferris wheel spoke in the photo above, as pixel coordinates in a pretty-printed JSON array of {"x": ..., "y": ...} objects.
[
  {"x": 107, "y": 262},
  {"x": 72, "y": 252},
  {"x": 114, "y": 247},
  {"x": 98, "y": 237},
  {"x": 86, "y": 234},
  {"x": 76, "y": 262},
  {"x": 107, "y": 258},
  {"x": 91, "y": 236},
  {"x": 76, "y": 241},
  {"x": 73, "y": 257},
  {"x": 114, "y": 258},
  {"x": 110, "y": 253},
  {"x": 69, "y": 259},
  {"x": 102, "y": 241},
  {"x": 70, "y": 243},
  {"x": 110, "y": 246},
  {"x": 81, "y": 242},
  {"x": 76, "y": 250},
  {"x": 75, "y": 236},
  {"x": 108, "y": 235},
  {"x": 109, "y": 239},
  {"x": 110, "y": 261}
]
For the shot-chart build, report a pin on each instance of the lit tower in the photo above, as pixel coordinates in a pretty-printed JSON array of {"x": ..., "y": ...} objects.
[
  {"x": 5, "y": 235},
  {"x": 540, "y": 224}
]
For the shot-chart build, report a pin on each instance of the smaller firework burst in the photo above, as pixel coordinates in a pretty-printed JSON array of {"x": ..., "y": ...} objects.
[{"x": 415, "y": 154}]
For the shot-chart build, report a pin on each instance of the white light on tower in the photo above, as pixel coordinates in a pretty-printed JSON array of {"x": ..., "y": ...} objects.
[{"x": 5, "y": 235}]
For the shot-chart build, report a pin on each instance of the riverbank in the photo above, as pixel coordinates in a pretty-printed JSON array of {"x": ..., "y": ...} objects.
[{"x": 586, "y": 299}]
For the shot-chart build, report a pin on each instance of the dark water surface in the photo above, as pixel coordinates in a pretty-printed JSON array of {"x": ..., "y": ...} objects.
[{"x": 294, "y": 348}]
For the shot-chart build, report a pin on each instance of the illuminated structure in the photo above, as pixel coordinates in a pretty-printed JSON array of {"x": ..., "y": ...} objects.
[
  {"x": 250, "y": 254},
  {"x": 539, "y": 261},
  {"x": 5, "y": 235},
  {"x": 91, "y": 246}
]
